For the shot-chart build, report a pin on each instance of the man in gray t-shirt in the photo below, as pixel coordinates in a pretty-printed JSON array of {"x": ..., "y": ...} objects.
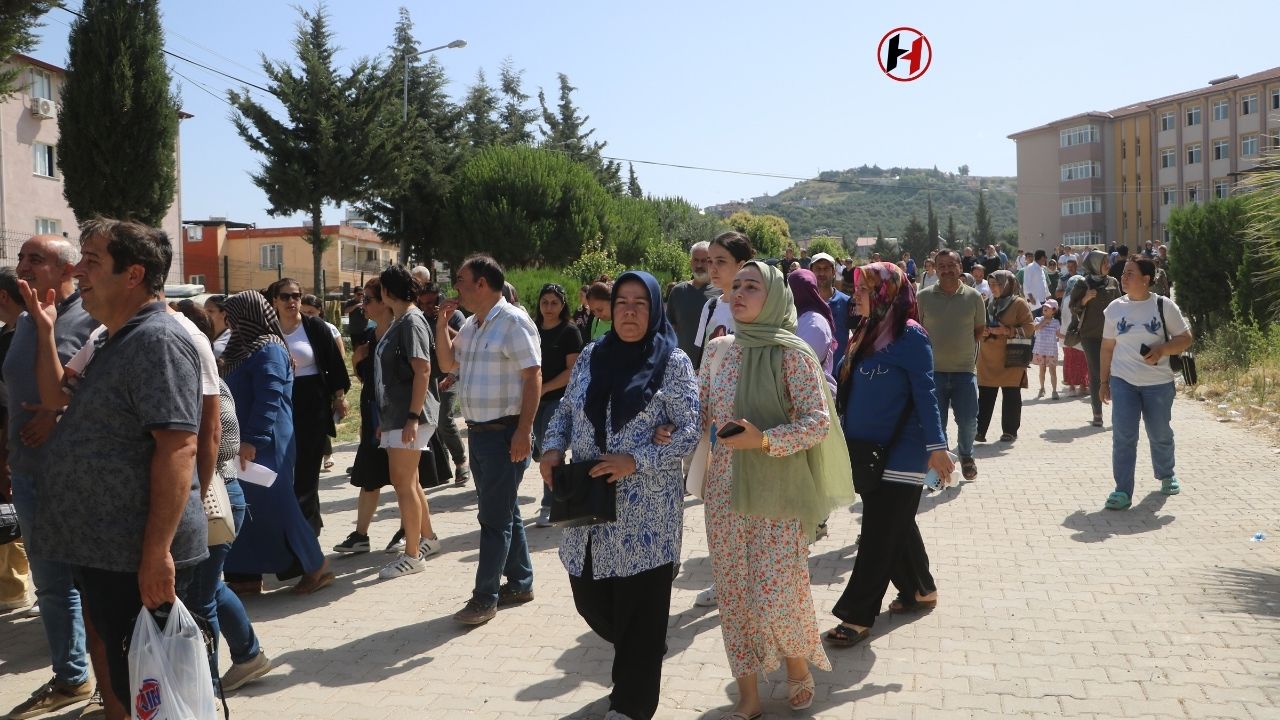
[
  {"x": 122, "y": 501},
  {"x": 685, "y": 303}
]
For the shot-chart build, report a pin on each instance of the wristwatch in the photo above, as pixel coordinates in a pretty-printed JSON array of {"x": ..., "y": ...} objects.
[{"x": 415, "y": 416}]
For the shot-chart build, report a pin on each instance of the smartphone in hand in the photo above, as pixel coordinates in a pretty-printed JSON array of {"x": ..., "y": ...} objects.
[
  {"x": 730, "y": 429},
  {"x": 1144, "y": 350}
]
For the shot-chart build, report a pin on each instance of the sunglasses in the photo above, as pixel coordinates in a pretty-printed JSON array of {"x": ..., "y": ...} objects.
[
  {"x": 551, "y": 287},
  {"x": 289, "y": 296}
]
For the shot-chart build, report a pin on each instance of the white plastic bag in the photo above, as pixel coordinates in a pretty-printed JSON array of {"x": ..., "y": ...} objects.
[{"x": 169, "y": 669}]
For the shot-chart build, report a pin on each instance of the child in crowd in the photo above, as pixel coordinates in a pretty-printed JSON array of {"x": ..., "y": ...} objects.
[{"x": 1045, "y": 350}]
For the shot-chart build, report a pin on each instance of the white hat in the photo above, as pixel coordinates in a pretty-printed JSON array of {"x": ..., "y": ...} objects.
[{"x": 822, "y": 256}]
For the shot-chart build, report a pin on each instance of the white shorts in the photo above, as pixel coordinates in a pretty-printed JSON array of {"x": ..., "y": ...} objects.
[{"x": 391, "y": 439}]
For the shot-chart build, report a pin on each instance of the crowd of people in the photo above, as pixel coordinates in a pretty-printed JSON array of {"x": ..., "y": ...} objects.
[{"x": 773, "y": 390}]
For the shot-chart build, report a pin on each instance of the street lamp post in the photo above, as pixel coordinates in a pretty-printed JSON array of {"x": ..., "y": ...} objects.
[{"x": 404, "y": 118}]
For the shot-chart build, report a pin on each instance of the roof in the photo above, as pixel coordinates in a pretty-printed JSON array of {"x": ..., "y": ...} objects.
[
  {"x": 1218, "y": 86},
  {"x": 182, "y": 114},
  {"x": 214, "y": 222}
]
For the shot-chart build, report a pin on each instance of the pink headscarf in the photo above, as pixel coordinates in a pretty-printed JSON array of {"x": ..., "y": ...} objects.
[
  {"x": 804, "y": 289},
  {"x": 893, "y": 306}
]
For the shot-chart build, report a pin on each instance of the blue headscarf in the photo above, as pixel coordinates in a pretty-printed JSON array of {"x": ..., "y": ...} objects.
[{"x": 627, "y": 375}]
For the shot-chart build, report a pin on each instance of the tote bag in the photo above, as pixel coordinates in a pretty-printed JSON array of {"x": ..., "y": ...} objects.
[{"x": 695, "y": 479}]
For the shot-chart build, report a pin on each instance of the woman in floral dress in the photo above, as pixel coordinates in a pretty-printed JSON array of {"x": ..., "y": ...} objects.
[{"x": 767, "y": 490}]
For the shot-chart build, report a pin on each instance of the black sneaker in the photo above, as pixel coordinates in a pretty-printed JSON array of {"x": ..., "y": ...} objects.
[
  {"x": 355, "y": 543},
  {"x": 397, "y": 543}
]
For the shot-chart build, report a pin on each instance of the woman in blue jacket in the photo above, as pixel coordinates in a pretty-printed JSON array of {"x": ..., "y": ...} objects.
[
  {"x": 888, "y": 373},
  {"x": 258, "y": 370}
]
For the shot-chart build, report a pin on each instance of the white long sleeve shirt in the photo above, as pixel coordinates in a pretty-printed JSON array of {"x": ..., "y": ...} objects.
[{"x": 1035, "y": 285}]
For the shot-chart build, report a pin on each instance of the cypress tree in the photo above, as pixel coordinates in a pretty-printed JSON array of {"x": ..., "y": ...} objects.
[
  {"x": 118, "y": 125},
  {"x": 983, "y": 235},
  {"x": 516, "y": 118},
  {"x": 633, "y": 183},
  {"x": 479, "y": 127},
  {"x": 953, "y": 240},
  {"x": 933, "y": 226}
]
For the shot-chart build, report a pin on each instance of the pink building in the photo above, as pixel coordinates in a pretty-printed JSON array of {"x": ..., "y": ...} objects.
[{"x": 31, "y": 198}]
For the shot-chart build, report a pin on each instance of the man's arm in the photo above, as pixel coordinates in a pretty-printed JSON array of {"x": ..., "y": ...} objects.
[
  {"x": 208, "y": 440},
  {"x": 531, "y": 393},
  {"x": 444, "y": 338},
  {"x": 171, "y": 466}
]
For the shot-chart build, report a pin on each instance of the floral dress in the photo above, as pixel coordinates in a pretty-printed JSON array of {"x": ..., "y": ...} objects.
[{"x": 761, "y": 566}]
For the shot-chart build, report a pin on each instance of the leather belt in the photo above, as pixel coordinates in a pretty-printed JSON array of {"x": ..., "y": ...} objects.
[{"x": 502, "y": 423}]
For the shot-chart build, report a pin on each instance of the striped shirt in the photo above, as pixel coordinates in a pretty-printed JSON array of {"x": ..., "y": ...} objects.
[{"x": 490, "y": 355}]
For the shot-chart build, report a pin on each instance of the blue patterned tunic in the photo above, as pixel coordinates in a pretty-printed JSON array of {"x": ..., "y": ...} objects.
[{"x": 651, "y": 501}]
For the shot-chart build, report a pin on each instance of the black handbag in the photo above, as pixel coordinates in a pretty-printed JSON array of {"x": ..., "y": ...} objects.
[
  {"x": 867, "y": 458},
  {"x": 1017, "y": 352},
  {"x": 579, "y": 499},
  {"x": 9, "y": 530},
  {"x": 1184, "y": 363}
]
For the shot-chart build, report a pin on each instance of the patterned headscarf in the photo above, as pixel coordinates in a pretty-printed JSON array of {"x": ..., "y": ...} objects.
[
  {"x": 253, "y": 324},
  {"x": 893, "y": 305},
  {"x": 1091, "y": 265}
]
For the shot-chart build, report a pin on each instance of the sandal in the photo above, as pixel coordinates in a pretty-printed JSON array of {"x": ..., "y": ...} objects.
[
  {"x": 1118, "y": 501},
  {"x": 736, "y": 715},
  {"x": 796, "y": 688},
  {"x": 1170, "y": 486},
  {"x": 843, "y": 636},
  {"x": 903, "y": 605},
  {"x": 311, "y": 584},
  {"x": 1096, "y": 422},
  {"x": 970, "y": 468}
]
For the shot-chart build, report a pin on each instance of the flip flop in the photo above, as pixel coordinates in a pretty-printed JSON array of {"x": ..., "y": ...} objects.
[
  {"x": 841, "y": 636},
  {"x": 307, "y": 586}
]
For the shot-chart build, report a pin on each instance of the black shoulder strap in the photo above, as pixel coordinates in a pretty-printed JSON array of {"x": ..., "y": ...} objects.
[{"x": 1160, "y": 309}]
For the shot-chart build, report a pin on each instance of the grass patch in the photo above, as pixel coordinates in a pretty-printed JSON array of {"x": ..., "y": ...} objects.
[{"x": 1239, "y": 369}]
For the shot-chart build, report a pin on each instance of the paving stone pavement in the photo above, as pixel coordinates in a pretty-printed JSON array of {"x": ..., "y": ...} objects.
[{"x": 1050, "y": 606}]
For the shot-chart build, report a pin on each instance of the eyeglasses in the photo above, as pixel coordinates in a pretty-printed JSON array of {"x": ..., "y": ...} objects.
[{"x": 288, "y": 296}]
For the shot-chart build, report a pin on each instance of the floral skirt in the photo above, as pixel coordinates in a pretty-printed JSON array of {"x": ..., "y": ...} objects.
[{"x": 1075, "y": 370}]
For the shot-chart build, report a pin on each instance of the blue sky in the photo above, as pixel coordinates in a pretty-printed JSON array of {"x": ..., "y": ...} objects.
[{"x": 758, "y": 86}]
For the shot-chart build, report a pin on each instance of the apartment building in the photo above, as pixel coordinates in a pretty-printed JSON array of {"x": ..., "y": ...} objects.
[
  {"x": 31, "y": 198},
  {"x": 227, "y": 256},
  {"x": 1102, "y": 177}
]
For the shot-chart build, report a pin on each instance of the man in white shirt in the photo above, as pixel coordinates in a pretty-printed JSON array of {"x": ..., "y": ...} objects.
[
  {"x": 980, "y": 281},
  {"x": 1034, "y": 283}
]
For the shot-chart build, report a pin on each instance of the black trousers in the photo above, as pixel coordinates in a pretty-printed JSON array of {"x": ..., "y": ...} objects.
[
  {"x": 448, "y": 428},
  {"x": 1010, "y": 409},
  {"x": 891, "y": 550},
  {"x": 311, "y": 410},
  {"x": 1093, "y": 358},
  {"x": 113, "y": 602},
  {"x": 631, "y": 613}
]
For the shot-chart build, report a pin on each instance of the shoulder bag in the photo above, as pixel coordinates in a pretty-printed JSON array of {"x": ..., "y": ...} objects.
[
  {"x": 695, "y": 479},
  {"x": 1184, "y": 363},
  {"x": 9, "y": 530},
  {"x": 579, "y": 499},
  {"x": 217, "y": 510},
  {"x": 868, "y": 458}
]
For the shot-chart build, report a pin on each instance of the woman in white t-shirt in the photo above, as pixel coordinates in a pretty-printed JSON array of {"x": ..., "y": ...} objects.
[
  {"x": 1140, "y": 332},
  {"x": 726, "y": 256}
]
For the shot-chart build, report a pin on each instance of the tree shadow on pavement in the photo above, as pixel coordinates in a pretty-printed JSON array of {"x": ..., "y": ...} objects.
[
  {"x": 1256, "y": 592},
  {"x": 1103, "y": 524},
  {"x": 368, "y": 659}
]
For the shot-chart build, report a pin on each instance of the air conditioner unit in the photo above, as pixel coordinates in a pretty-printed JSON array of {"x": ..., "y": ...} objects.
[{"x": 44, "y": 107}]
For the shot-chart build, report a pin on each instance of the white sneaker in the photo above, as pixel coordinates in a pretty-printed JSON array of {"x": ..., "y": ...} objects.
[
  {"x": 403, "y": 565},
  {"x": 544, "y": 518},
  {"x": 33, "y": 611},
  {"x": 707, "y": 598},
  {"x": 428, "y": 547}
]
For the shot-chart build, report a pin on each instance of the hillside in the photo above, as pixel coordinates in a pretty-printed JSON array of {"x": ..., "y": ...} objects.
[{"x": 852, "y": 203}]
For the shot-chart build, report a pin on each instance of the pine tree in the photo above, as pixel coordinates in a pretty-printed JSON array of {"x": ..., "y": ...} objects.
[
  {"x": 633, "y": 183},
  {"x": 337, "y": 137},
  {"x": 18, "y": 22},
  {"x": 480, "y": 128},
  {"x": 915, "y": 239},
  {"x": 564, "y": 133},
  {"x": 933, "y": 226},
  {"x": 983, "y": 235},
  {"x": 516, "y": 119},
  {"x": 953, "y": 239},
  {"x": 118, "y": 127}
]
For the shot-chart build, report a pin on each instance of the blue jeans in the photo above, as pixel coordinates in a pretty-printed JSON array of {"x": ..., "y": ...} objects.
[
  {"x": 60, "y": 611},
  {"x": 503, "y": 548},
  {"x": 1154, "y": 403},
  {"x": 214, "y": 601},
  {"x": 546, "y": 409},
  {"x": 959, "y": 391}
]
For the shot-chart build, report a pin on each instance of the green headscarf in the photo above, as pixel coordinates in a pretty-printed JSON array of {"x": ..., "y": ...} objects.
[{"x": 805, "y": 485}]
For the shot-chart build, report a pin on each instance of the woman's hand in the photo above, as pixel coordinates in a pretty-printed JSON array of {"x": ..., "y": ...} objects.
[
  {"x": 1154, "y": 353},
  {"x": 448, "y": 382},
  {"x": 662, "y": 434},
  {"x": 749, "y": 439},
  {"x": 340, "y": 405},
  {"x": 940, "y": 462},
  {"x": 248, "y": 453},
  {"x": 550, "y": 459},
  {"x": 409, "y": 434},
  {"x": 1089, "y": 296},
  {"x": 614, "y": 466}
]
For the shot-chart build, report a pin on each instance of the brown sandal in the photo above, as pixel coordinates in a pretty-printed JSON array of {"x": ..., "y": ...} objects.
[
  {"x": 310, "y": 584},
  {"x": 900, "y": 607}
]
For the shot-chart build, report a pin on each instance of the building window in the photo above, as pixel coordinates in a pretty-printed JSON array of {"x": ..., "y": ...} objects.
[
  {"x": 1248, "y": 146},
  {"x": 1123, "y": 153},
  {"x": 1193, "y": 192},
  {"x": 1124, "y": 220},
  {"x": 1249, "y": 104},
  {"x": 196, "y": 279},
  {"x": 1081, "y": 238},
  {"x": 1078, "y": 135},
  {"x": 46, "y": 160},
  {"x": 1220, "y": 150},
  {"x": 1193, "y": 116},
  {"x": 1166, "y": 158},
  {"x": 195, "y": 233},
  {"x": 1139, "y": 184},
  {"x": 1166, "y": 121},
  {"x": 1275, "y": 99},
  {"x": 48, "y": 226},
  {"x": 1139, "y": 219},
  {"x": 271, "y": 256},
  {"x": 41, "y": 84},
  {"x": 1137, "y": 147},
  {"x": 1220, "y": 110},
  {"x": 1166, "y": 196},
  {"x": 1081, "y": 170},
  {"x": 1082, "y": 206},
  {"x": 1221, "y": 189},
  {"x": 1193, "y": 154}
]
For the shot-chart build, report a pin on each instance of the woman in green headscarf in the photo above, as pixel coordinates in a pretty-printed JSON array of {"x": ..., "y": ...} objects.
[{"x": 768, "y": 486}]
